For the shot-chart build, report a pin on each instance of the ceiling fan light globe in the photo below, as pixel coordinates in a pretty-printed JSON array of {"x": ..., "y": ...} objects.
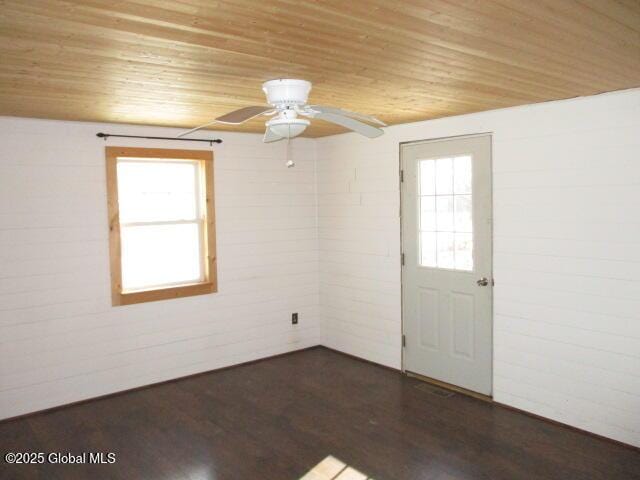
[{"x": 288, "y": 128}]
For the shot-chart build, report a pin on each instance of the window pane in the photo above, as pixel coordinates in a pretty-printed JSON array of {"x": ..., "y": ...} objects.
[
  {"x": 427, "y": 177},
  {"x": 428, "y": 214},
  {"x": 160, "y": 254},
  {"x": 444, "y": 176},
  {"x": 444, "y": 207},
  {"x": 463, "y": 213},
  {"x": 157, "y": 191},
  {"x": 428, "y": 249},
  {"x": 462, "y": 175},
  {"x": 445, "y": 250},
  {"x": 464, "y": 251}
]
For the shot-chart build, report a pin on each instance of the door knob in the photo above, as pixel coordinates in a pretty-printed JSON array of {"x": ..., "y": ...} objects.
[{"x": 483, "y": 282}]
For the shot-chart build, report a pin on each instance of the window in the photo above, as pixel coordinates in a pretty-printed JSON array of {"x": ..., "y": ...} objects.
[
  {"x": 161, "y": 224},
  {"x": 446, "y": 223}
]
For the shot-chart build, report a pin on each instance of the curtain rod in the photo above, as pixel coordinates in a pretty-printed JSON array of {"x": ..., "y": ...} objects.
[{"x": 210, "y": 141}]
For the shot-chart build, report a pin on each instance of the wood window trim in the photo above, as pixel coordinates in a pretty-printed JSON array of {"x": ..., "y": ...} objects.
[{"x": 210, "y": 284}]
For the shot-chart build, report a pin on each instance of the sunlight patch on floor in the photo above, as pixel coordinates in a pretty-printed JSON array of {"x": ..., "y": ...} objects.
[{"x": 333, "y": 469}]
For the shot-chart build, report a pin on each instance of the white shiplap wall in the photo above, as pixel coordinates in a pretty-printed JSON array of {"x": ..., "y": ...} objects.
[
  {"x": 566, "y": 179},
  {"x": 60, "y": 339}
]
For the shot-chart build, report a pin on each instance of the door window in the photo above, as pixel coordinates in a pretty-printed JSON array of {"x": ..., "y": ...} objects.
[{"x": 446, "y": 217}]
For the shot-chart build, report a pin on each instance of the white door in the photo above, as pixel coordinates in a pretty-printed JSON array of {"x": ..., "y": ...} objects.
[{"x": 447, "y": 275}]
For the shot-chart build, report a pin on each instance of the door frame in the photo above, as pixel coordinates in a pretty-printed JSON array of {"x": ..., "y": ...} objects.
[{"x": 400, "y": 181}]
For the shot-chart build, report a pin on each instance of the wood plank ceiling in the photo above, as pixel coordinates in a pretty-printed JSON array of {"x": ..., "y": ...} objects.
[{"x": 184, "y": 62}]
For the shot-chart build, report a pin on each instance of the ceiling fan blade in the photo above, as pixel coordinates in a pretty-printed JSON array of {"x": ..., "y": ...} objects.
[
  {"x": 270, "y": 136},
  {"x": 233, "y": 118},
  {"x": 196, "y": 129},
  {"x": 347, "y": 113},
  {"x": 243, "y": 114},
  {"x": 351, "y": 124}
]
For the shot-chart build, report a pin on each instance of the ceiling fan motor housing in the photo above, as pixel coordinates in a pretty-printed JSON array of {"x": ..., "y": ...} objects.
[{"x": 286, "y": 92}]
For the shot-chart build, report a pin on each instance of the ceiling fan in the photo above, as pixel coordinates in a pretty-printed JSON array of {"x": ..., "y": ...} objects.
[{"x": 287, "y": 99}]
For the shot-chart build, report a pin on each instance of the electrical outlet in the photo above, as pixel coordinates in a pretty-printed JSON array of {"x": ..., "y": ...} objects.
[{"x": 294, "y": 319}]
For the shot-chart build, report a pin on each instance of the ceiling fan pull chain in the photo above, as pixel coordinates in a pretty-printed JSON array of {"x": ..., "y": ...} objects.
[{"x": 290, "y": 163}]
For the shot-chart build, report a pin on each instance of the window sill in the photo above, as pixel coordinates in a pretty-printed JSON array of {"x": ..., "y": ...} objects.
[{"x": 143, "y": 296}]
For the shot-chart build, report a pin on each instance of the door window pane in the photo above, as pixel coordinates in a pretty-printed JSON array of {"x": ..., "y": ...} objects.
[
  {"x": 463, "y": 251},
  {"x": 462, "y": 174},
  {"x": 428, "y": 213},
  {"x": 445, "y": 247},
  {"x": 428, "y": 256},
  {"x": 446, "y": 213},
  {"x": 427, "y": 178},
  {"x": 463, "y": 214},
  {"x": 444, "y": 176}
]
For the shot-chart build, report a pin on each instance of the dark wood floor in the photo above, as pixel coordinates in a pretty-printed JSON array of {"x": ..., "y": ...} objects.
[{"x": 278, "y": 418}]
